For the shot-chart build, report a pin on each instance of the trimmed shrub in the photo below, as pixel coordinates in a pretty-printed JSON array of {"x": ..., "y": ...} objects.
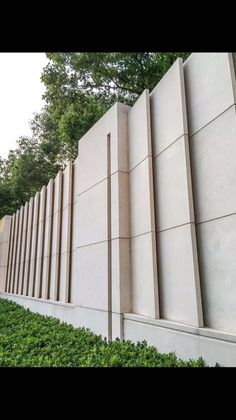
[{"x": 31, "y": 340}]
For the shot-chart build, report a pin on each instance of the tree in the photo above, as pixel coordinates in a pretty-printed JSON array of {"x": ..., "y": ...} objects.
[
  {"x": 81, "y": 87},
  {"x": 24, "y": 173}
]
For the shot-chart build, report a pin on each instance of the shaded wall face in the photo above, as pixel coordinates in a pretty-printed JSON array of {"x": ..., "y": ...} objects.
[{"x": 144, "y": 220}]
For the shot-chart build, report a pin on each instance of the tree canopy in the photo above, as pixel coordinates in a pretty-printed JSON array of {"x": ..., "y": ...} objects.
[{"x": 80, "y": 88}]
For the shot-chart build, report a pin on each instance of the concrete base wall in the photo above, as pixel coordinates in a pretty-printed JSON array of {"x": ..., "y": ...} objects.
[{"x": 187, "y": 342}]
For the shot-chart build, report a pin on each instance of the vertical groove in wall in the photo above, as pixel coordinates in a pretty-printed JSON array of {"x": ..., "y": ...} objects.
[
  {"x": 21, "y": 283},
  {"x": 49, "y": 239},
  {"x": 22, "y": 210},
  {"x": 42, "y": 240},
  {"x": 69, "y": 234},
  {"x": 35, "y": 245},
  {"x": 58, "y": 244},
  {"x": 29, "y": 240},
  {"x": 9, "y": 255},
  {"x": 13, "y": 280},
  {"x": 109, "y": 263}
]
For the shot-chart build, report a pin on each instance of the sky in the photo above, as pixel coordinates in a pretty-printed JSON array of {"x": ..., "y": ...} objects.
[{"x": 20, "y": 95}]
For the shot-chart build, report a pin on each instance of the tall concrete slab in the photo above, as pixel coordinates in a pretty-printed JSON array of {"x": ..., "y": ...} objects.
[
  {"x": 47, "y": 251},
  {"x": 40, "y": 245},
  {"x": 13, "y": 277},
  {"x": 9, "y": 270},
  {"x": 56, "y": 238},
  {"x": 210, "y": 93},
  {"x": 101, "y": 218},
  {"x": 74, "y": 239},
  {"x": 23, "y": 250},
  {"x": 28, "y": 247},
  {"x": 67, "y": 198},
  {"x": 19, "y": 248},
  {"x": 119, "y": 219},
  {"x": 5, "y": 242},
  {"x": 210, "y": 87},
  {"x": 145, "y": 299},
  {"x": 176, "y": 238}
]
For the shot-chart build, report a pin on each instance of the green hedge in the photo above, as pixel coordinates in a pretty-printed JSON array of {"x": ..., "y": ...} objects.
[{"x": 29, "y": 339}]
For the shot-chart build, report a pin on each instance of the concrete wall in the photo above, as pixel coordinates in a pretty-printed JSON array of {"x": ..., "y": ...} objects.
[{"x": 137, "y": 237}]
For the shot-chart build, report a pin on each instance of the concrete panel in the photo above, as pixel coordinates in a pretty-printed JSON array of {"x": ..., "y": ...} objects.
[
  {"x": 120, "y": 226},
  {"x": 142, "y": 217},
  {"x": 65, "y": 229},
  {"x": 55, "y": 220},
  {"x": 3, "y": 274},
  {"x": 48, "y": 240},
  {"x": 50, "y": 201},
  {"x": 41, "y": 242},
  {"x": 74, "y": 277},
  {"x": 63, "y": 271},
  {"x": 8, "y": 281},
  {"x": 210, "y": 87},
  {"x": 178, "y": 276},
  {"x": 6, "y": 228},
  {"x": 28, "y": 247},
  {"x": 139, "y": 131},
  {"x": 56, "y": 237},
  {"x": 144, "y": 276},
  {"x": 1, "y": 256},
  {"x": 93, "y": 276},
  {"x": 19, "y": 248},
  {"x": 217, "y": 245},
  {"x": 13, "y": 278},
  {"x": 114, "y": 122},
  {"x": 52, "y": 277},
  {"x": 75, "y": 224},
  {"x": 92, "y": 215},
  {"x": 93, "y": 156},
  {"x": 185, "y": 345},
  {"x": 23, "y": 251},
  {"x": 5, "y": 238},
  {"x": 118, "y": 129},
  {"x": 4, "y": 253},
  {"x": 174, "y": 203},
  {"x": 76, "y": 179},
  {"x": 121, "y": 281},
  {"x": 117, "y": 326},
  {"x": 168, "y": 109},
  {"x": 214, "y": 167},
  {"x": 66, "y": 196}
]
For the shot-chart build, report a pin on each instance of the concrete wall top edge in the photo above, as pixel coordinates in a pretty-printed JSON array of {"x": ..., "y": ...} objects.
[
  {"x": 117, "y": 107},
  {"x": 210, "y": 87},
  {"x": 175, "y": 65}
]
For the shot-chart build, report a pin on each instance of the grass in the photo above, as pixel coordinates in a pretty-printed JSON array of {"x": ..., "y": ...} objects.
[{"x": 32, "y": 340}]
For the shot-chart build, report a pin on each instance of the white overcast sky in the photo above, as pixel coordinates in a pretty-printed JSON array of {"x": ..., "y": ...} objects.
[{"x": 20, "y": 95}]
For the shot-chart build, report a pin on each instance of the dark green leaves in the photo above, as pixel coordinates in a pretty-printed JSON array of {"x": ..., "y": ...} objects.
[{"x": 29, "y": 339}]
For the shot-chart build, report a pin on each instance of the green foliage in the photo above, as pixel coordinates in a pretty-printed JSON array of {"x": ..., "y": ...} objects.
[
  {"x": 25, "y": 171},
  {"x": 33, "y": 340}
]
